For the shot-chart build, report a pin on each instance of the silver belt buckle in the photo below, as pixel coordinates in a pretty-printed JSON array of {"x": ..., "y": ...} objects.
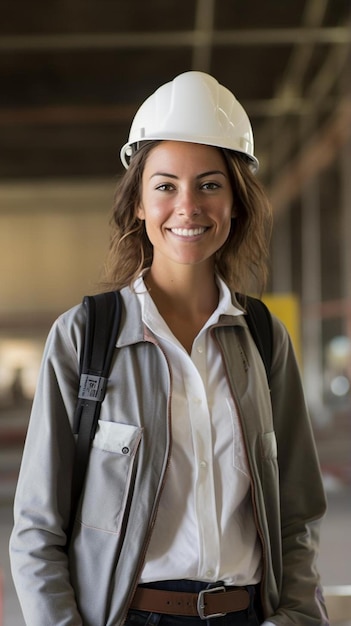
[{"x": 201, "y": 603}]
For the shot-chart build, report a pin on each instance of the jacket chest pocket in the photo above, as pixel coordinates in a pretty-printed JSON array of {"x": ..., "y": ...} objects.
[{"x": 108, "y": 477}]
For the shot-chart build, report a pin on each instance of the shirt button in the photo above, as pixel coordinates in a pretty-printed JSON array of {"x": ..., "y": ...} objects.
[
  {"x": 197, "y": 401},
  {"x": 200, "y": 349},
  {"x": 203, "y": 464},
  {"x": 209, "y": 573}
]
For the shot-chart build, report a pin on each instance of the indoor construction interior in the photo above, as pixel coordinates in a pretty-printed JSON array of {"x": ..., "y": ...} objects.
[{"x": 73, "y": 74}]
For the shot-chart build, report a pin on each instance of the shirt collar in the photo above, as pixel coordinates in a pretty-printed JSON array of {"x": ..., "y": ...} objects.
[{"x": 152, "y": 318}]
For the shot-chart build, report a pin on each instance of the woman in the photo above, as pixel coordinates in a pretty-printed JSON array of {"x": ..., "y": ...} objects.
[{"x": 203, "y": 494}]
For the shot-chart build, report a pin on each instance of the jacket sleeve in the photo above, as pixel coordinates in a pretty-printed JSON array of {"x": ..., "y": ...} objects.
[
  {"x": 42, "y": 502},
  {"x": 302, "y": 495}
]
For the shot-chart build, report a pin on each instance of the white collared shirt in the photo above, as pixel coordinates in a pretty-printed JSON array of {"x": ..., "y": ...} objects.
[{"x": 205, "y": 527}]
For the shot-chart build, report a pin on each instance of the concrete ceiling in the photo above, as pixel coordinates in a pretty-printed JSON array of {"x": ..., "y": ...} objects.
[{"x": 73, "y": 73}]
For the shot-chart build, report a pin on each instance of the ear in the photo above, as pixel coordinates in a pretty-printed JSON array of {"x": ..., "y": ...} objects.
[{"x": 140, "y": 212}]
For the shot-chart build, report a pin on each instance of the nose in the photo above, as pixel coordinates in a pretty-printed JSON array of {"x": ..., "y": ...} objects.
[{"x": 188, "y": 203}]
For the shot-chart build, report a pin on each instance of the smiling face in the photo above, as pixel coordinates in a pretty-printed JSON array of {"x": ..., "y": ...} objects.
[{"x": 186, "y": 202}]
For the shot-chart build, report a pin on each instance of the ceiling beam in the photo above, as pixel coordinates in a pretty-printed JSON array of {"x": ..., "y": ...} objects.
[
  {"x": 204, "y": 22},
  {"x": 67, "y": 114},
  {"x": 316, "y": 94},
  {"x": 61, "y": 115},
  {"x": 315, "y": 157},
  {"x": 338, "y": 35},
  {"x": 300, "y": 56}
]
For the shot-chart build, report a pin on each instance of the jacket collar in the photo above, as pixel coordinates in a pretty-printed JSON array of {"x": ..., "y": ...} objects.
[{"x": 132, "y": 329}]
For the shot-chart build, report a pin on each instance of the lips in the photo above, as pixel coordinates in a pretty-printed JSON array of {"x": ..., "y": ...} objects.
[{"x": 188, "y": 232}]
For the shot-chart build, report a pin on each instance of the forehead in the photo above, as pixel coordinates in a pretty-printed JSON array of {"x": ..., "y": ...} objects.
[{"x": 184, "y": 156}]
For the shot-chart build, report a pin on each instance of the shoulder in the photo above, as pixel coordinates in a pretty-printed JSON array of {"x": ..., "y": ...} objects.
[
  {"x": 70, "y": 326},
  {"x": 66, "y": 336},
  {"x": 285, "y": 358},
  {"x": 71, "y": 321}
]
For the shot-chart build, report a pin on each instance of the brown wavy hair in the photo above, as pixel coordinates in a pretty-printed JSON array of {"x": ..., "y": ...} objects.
[{"x": 242, "y": 261}]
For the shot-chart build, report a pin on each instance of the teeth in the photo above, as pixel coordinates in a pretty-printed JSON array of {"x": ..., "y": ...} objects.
[{"x": 188, "y": 232}]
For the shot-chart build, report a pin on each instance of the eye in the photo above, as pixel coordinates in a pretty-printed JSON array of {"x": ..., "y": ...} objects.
[
  {"x": 210, "y": 186},
  {"x": 165, "y": 187}
]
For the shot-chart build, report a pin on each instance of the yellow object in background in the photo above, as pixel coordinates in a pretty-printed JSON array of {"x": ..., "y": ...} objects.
[{"x": 287, "y": 308}]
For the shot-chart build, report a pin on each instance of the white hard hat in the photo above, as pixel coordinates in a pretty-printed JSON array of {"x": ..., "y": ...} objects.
[{"x": 193, "y": 107}]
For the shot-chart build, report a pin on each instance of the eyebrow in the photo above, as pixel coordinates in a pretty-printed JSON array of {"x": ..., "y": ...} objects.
[{"x": 203, "y": 175}]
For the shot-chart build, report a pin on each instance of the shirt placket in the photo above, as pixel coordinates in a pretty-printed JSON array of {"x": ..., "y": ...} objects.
[{"x": 205, "y": 499}]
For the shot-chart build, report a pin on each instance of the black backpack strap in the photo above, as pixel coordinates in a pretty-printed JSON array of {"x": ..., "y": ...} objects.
[
  {"x": 103, "y": 314},
  {"x": 259, "y": 321}
]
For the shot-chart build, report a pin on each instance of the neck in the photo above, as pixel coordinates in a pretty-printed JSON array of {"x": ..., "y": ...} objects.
[
  {"x": 190, "y": 292},
  {"x": 185, "y": 298}
]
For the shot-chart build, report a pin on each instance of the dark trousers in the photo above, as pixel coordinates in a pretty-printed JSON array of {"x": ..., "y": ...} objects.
[{"x": 250, "y": 617}]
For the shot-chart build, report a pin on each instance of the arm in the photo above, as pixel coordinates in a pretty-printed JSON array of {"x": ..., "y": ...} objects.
[
  {"x": 42, "y": 502},
  {"x": 301, "y": 492}
]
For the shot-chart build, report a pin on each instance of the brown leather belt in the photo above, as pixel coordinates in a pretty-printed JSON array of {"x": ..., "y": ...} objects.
[{"x": 207, "y": 603}]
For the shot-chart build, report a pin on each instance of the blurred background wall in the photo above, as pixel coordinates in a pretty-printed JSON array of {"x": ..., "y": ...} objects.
[{"x": 72, "y": 75}]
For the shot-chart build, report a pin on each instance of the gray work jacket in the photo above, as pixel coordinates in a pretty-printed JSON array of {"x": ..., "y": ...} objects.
[{"x": 93, "y": 584}]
